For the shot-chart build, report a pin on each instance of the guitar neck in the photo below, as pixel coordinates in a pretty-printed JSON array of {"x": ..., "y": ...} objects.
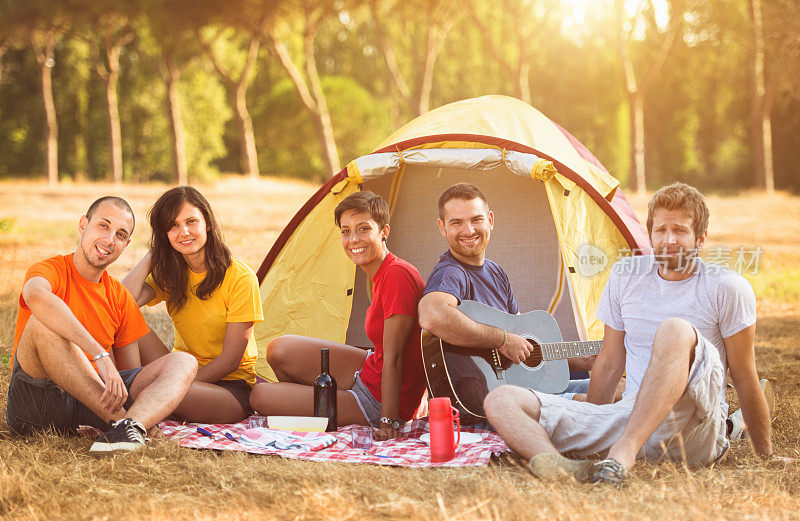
[{"x": 562, "y": 350}]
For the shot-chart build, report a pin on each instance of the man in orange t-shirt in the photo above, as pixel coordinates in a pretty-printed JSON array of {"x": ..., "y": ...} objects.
[{"x": 76, "y": 354}]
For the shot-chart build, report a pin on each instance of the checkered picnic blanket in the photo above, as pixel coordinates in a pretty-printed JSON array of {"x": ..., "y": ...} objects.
[{"x": 406, "y": 451}]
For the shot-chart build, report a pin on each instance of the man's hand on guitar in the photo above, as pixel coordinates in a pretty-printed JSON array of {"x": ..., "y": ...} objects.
[{"x": 516, "y": 348}]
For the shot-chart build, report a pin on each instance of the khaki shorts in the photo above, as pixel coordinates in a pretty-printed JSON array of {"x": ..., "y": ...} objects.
[{"x": 694, "y": 431}]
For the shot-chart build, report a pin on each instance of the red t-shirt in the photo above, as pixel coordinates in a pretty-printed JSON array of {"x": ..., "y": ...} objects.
[
  {"x": 396, "y": 290},
  {"x": 105, "y": 308}
]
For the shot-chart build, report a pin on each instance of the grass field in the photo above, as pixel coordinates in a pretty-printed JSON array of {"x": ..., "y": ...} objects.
[{"x": 49, "y": 477}]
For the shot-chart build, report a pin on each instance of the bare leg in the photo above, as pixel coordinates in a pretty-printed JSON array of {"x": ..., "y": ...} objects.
[
  {"x": 663, "y": 384},
  {"x": 151, "y": 348},
  {"x": 296, "y": 359},
  {"x": 209, "y": 403},
  {"x": 290, "y": 399},
  {"x": 43, "y": 354},
  {"x": 295, "y": 362},
  {"x": 160, "y": 386},
  {"x": 514, "y": 412}
]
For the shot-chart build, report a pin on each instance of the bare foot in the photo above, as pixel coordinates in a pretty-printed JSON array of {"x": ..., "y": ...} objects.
[{"x": 155, "y": 433}]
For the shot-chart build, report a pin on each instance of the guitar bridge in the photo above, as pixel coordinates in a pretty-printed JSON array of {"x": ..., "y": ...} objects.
[{"x": 497, "y": 364}]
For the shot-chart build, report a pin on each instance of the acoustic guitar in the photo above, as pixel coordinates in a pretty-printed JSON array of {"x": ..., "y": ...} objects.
[{"x": 466, "y": 375}]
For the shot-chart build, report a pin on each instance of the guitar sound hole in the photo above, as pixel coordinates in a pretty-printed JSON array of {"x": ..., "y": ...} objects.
[{"x": 536, "y": 357}]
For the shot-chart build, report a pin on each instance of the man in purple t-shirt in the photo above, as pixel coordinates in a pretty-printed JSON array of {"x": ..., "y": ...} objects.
[{"x": 464, "y": 273}]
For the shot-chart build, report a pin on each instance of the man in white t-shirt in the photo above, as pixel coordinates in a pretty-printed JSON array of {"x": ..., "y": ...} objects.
[{"x": 675, "y": 325}]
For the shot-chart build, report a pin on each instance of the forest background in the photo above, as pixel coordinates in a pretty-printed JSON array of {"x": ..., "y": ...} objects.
[{"x": 182, "y": 90}]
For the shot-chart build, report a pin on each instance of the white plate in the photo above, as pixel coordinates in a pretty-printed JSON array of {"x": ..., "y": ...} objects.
[
  {"x": 467, "y": 438},
  {"x": 297, "y": 423}
]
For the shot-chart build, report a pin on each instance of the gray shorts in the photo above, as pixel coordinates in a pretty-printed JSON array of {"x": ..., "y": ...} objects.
[
  {"x": 38, "y": 404},
  {"x": 694, "y": 431},
  {"x": 370, "y": 407}
]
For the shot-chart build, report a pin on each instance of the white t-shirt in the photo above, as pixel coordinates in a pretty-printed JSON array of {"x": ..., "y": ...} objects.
[{"x": 717, "y": 301}]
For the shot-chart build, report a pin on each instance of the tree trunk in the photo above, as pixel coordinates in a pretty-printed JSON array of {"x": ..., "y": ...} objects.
[
  {"x": 46, "y": 62},
  {"x": 636, "y": 175},
  {"x": 390, "y": 57},
  {"x": 637, "y": 90},
  {"x": 176, "y": 121},
  {"x": 426, "y": 77},
  {"x": 237, "y": 94},
  {"x": 322, "y": 117},
  {"x": 247, "y": 138},
  {"x": 636, "y": 107},
  {"x": 3, "y": 49},
  {"x": 761, "y": 118},
  {"x": 114, "y": 128},
  {"x": 523, "y": 81},
  {"x": 311, "y": 95},
  {"x": 108, "y": 70}
]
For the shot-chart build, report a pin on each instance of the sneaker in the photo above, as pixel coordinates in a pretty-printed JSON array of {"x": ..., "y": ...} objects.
[
  {"x": 554, "y": 467},
  {"x": 126, "y": 435},
  {"x": 737, "y": 430},
  {"x": 609, "y": 471}
]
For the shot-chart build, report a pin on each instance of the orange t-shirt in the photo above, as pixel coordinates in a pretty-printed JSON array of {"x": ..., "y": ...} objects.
[{"x": 105, "y": 308}]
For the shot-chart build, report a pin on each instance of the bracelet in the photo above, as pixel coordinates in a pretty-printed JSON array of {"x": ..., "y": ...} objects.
[
  {"x": 394, "y": 424},
  {"x": 505, "y": 339},
  {"x": 101, "y": 355}
]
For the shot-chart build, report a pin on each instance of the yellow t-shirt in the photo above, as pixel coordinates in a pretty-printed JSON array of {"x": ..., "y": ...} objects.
[{"x": 200, "y": 324}]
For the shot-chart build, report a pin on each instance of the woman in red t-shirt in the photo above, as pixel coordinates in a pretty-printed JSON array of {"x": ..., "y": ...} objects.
[{"x": 382, "y": 388}]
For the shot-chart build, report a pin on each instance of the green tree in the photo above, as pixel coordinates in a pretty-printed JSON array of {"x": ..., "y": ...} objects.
[
  {"x": 512, "y": 31},
  {"x": 774, "y": 60},
  {"x": 44, "y": 22},
  {"x": 110, "y": 29},
  {"x": 5, "y": 45},
  {"x": 173, "y": 26},
  {"x": 630, "y": 20},
  {"x": 233, "y": 50},
  {"x": 395, "y": 26},
  {"x": 361, "y": 123},
  {"x": 298, "y": 22}
]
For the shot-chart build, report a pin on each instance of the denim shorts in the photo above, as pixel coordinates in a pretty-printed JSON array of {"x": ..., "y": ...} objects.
[{"x": 38, "y": 404}]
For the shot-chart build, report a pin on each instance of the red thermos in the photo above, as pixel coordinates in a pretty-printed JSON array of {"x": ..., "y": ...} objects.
[{"x": 441, "y": 415}]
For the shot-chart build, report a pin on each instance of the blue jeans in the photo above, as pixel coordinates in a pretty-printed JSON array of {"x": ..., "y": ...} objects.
[
  {"x": 575, "y": 387},
  {"x": 38, "y": 404}
]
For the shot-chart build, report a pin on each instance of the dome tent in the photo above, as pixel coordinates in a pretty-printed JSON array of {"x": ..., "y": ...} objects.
[{"x": 561, "y": 221}]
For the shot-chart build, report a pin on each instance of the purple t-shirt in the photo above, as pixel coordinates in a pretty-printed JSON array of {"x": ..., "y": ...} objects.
[{"x": 487, "y": 284}]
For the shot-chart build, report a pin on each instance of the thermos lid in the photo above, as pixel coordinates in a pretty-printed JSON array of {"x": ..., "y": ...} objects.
[{"x": 440, "y": 408}]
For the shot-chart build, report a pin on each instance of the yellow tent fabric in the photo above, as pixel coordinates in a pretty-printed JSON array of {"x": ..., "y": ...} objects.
[
  {"x": 506, "y": 118},
  {"x": 580, "y": 221},
  {"x": 308, "y": 289},
  {"x": 311, "y": 268}
]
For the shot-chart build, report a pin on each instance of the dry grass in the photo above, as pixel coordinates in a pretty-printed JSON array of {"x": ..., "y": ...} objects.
[{"x": 49, "y": 477}]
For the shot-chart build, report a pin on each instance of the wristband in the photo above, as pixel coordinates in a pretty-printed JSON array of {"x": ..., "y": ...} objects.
[
  {"x": 505, "y": 339},
  {"x": 101, "y": 355}
]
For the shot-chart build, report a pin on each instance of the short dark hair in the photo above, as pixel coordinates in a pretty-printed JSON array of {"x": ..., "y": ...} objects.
[
  {"x": 463, "y": 191},
  {"x": 680, "y": 196},
  {"x": 119, "y": 202},
  {"x": 364, "y": 202}
]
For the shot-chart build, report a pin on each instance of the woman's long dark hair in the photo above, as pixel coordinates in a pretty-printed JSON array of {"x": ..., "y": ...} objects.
[{"x": 169, "y": 267}]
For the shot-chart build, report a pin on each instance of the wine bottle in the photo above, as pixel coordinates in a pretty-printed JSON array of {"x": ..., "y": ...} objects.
[{"x": 325, "y": 393}]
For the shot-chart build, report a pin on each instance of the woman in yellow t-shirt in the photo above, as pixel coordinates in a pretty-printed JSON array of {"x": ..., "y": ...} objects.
[{"x": 212, "y": 298}]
